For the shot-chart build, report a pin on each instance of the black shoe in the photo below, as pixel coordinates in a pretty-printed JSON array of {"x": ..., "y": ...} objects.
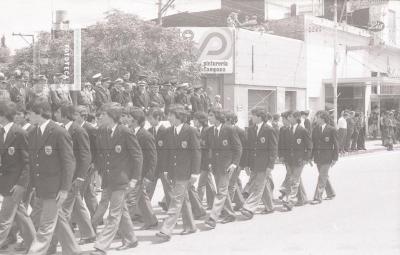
[
  {"x": 246, "y": 213},
  {"x": 127, "y": 247},
  {"x": 228, "y": 219},
  {"x": 200, "y": 216},
  {"x": 21, "y": 247},
  {"x": 287, "y": 206},
  {"x": 301, "y": 203},
  {"x": 4, "y": 248},
  {"x": 265, "y": 211},
  {"x": 87, "y": 240},
  {"x": 98, "y": 252},
  {"x": 282, "y": 195},
  {"x": 163, "y": 236},
  {"x": 330, "y": 197},
  {"x": 316, "y": 202},
  {"x": 210, "y": 223},
  {"x": 237, "y": 208},
  {"x": 163, "y": 205},
  {"x": 188, "y": 232},
  {"x": 147, "y": 227}
]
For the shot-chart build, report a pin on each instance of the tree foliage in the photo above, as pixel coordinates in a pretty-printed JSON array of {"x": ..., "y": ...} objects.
[{"x": 120, "y": 43}]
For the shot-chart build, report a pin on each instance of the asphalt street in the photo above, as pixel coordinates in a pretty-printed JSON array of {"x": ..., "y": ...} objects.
[{"x": 364, "y": 218}]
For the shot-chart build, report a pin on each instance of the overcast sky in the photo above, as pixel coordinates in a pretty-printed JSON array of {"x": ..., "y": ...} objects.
[{"x": 28, "y": 16}]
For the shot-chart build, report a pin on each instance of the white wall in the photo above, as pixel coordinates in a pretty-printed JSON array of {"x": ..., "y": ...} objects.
[
  {"x": 353, "y": 64},
  {"x": 278, "y": 61}
]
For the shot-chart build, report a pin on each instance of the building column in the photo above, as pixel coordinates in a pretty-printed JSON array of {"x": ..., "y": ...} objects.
[{"x": 280, "y": 99}]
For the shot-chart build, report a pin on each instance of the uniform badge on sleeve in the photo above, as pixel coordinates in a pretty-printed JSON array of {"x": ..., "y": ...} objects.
[
  {"x": 118, "y": 148},
  {"x": 184, "y": 144},
  {"x": 262, "y": 139},
  {"x": 48, "y": 150},
  {"x": 225, "y": 142},
  {"x": 298, "y": 141},
  {"x": 160, "y": 143},
  {"x": 327, "y": 139},
  {"x": 11, "y": 151}
]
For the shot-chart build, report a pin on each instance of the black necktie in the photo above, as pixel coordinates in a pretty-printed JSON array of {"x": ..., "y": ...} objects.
[
  {"x": 175, "y": 131},
  {"x": 2, "y": 133},
  {"x": 216, "y": 132},
  {"x": 39, "y": 131}
]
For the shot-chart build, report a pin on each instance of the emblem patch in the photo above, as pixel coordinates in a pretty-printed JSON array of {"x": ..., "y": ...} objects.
[
  {"x": 11, "y": 151},
  {"x": 48, "y": 150},
  {"x": 225, "y": 142},
  {"x": 160, "y": 143},
  {"x": 184, "y": 144},
  {"x": 298, "y": 141},
  {"x": 118, "y": 148},
  {"x": 326, "y": 139},
  {"x": 262, "y": 139}
]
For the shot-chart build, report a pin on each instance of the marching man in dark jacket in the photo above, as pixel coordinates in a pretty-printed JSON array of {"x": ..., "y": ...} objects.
[
  {"x": 183, "y": 164},
  {"x": 14, "y": 175},
  {"x": 226, "y": 151},
  {"x": 159, "y": 132},
  {"x": 74, "y": 202},
  {"x": 262, "y": 148},
  {"x": 139, "y": 199},
  {"x": 52, "y": 164},
  {"x": 296, "y": 149},
  {"x": 119, "y": 151},
  {"x": 325, "y": 154}
]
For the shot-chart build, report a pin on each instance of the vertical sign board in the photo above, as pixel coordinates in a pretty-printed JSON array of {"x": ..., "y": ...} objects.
[
  {"x": 76, "y": 85},
  {"x": 216, "y": 48}
]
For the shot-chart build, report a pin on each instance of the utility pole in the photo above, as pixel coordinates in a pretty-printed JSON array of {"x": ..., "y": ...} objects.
[
  {"x": 162, "y": 9},
  {"x": 335, "y": 63}
]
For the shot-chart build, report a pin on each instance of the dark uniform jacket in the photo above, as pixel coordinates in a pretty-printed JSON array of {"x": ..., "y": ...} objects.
[
  {"x": 52, "y": 160},
  {"x": 205, "y": 153},
  {"x": 262, "y": 148},
  {"x": 101, "y": 96},
  {"x": 295, "y": 148},
  {"x": 156, "y": 100},
  {"x": 14, "y": 156},
  {"x": 160, "y": 139},
  {"x": 197, "y": 105},
  {"x": 92, "y": 133},
  {"x": 226, "y": 148},
  {"x": 243, "y": 141},
  {"x": 148, "y": 145},
  {"x": 141, "y": 100},
  {"x": 81, "y": 147},
  {"x": 325, "y": 145},
  {"x": 119, "y": 158},
  {"x": 184, "y": 154},
  {"x": 119, "y": 95}
]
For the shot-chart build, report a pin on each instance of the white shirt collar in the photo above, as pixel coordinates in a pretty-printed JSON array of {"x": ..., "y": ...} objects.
[
  {"x": 68, "y": 125},
  {"x": 113, "y": 129},
  {"x": 157, "y": 127},
  {"x": 323, "y": 127},
  {"x": 7, "y": 128},
  {"x": 137, "y": 129},
  {"x": 43, "y": 126},
  {"x": 179, "y": 128},
  {"x": 200, "y": 128},
  {"x": 83, "y": 123},
  {"x": 219, "y": 127},
  {"x": 269, "y": 123},
  {"x": 26, "y": 126}
]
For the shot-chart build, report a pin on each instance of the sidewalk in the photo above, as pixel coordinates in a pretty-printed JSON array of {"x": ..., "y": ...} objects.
[{"x": 371, "y": 146}]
